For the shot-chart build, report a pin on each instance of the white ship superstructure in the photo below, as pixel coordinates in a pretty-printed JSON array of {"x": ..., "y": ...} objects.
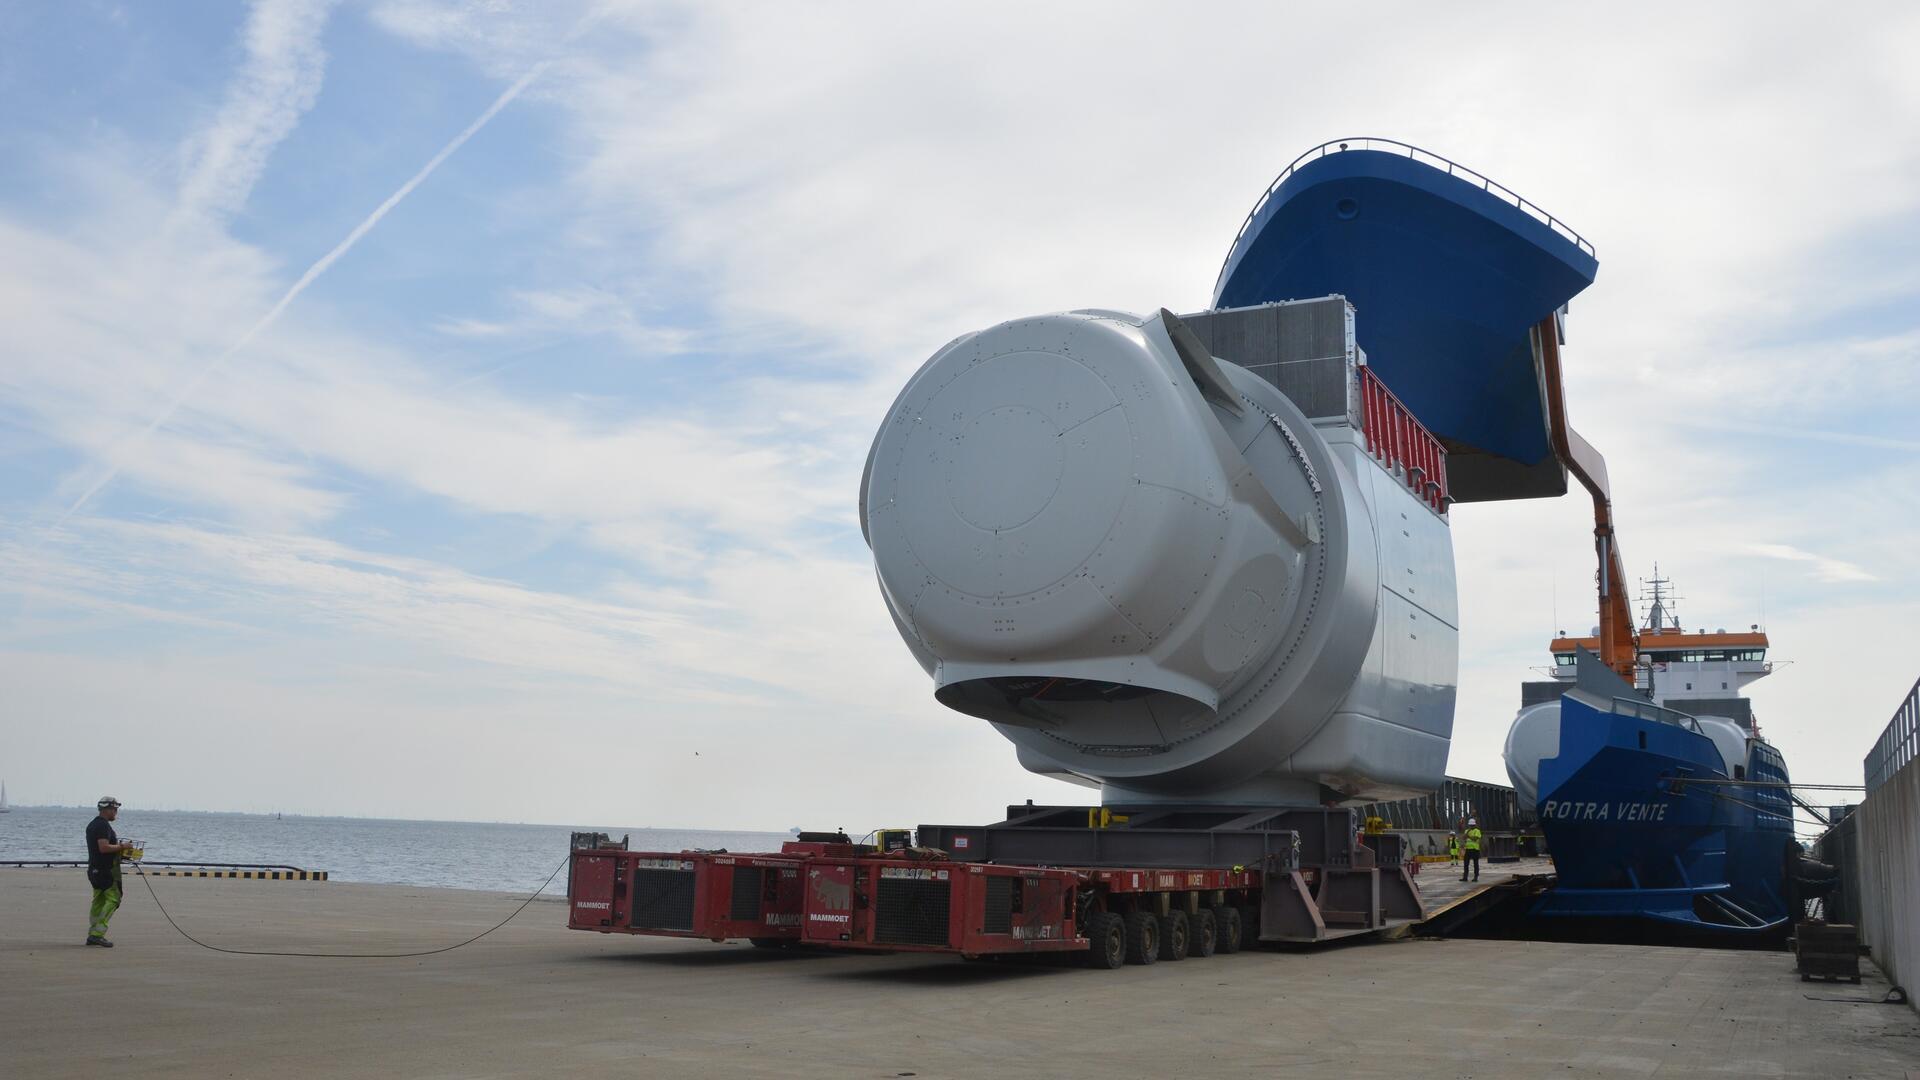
[{"x": 1701, "y": 673}]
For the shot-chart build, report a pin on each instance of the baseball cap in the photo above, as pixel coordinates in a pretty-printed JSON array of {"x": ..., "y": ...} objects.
[{"x": 106, "y": 801}]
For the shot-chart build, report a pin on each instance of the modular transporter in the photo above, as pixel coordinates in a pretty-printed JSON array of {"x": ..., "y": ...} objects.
[{"x": 1203, "y": 564}]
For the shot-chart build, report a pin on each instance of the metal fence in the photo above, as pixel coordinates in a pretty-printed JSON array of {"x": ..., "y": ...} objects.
[
  {"x": 1898, "y": 745},
  {"x": 1495, "y": 806},
  {"x": 1840, "y": 847}
]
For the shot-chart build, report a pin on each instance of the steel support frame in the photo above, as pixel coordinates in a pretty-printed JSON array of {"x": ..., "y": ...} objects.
[{"x": 1319, "y": 881}]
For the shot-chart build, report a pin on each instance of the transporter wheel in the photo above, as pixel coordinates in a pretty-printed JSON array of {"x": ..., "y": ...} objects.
[
  {"x": 1106, "y": 941},
  {"x": 1226, "y": 929},
  {"x": 1201, "y": 935},
  {"x": 1143, "y": 937},
  {"x": 767, "y": 942},
  {"x": 1174, "y": 931},
  {"x": 1249, "y": 927}
]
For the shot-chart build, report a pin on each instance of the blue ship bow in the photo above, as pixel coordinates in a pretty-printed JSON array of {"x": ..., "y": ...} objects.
[{"x": 1449, "y": 272}]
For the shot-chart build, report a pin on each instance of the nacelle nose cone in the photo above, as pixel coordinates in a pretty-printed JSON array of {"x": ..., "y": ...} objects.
[{"x": 1070, "y": 536}]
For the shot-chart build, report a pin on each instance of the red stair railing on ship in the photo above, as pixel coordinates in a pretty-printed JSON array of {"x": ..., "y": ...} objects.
[{"x": 1394, "y": 437}]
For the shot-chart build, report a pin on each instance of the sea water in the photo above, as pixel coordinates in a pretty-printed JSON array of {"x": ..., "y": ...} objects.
[{"x": 447, "y": 854}]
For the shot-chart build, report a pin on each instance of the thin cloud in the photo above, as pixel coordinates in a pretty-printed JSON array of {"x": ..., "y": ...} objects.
[
  {"x": 1824, "y": 568},
  {"x": 277, "y": 84},
  {"x": 752, "y": 629},
  {"x": 312, "y": 274},
  {"x": 1837, "y": 438}
]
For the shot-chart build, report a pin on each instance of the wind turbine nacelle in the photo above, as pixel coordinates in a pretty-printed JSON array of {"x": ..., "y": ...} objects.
[{"x": 1154, "y": 574}]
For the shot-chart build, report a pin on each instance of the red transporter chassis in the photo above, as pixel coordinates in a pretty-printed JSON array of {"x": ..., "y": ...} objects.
[
  {"x": 1061, "y": 879},
  {"x": 980, "y": 909},
  {"x": 688, "y": 894}
]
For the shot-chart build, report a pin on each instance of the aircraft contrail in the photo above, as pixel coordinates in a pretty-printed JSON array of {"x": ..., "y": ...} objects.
[{"x": 313, "y": 272}]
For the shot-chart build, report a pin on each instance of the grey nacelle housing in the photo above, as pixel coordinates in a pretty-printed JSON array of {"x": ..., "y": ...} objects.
[{"x": 1150, "y": 571}]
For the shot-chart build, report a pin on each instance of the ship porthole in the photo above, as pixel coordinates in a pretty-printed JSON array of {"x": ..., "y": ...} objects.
[{"x": 1346, "y": 209}]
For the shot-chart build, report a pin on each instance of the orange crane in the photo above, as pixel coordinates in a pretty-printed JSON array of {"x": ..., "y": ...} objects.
[{"x": 1619, "y": 639}]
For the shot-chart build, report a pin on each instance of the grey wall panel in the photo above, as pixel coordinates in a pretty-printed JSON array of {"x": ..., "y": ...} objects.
[{"x": 1304, "y": 348}]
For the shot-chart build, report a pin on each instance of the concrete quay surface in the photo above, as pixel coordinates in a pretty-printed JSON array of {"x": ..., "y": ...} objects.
[{"x": 536, "y": 999}]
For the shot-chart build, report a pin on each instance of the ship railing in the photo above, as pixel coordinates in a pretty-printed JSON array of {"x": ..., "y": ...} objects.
[
  {"x": 1425, "y": 157},
  {"x": 1395, "y": 437},
  {"x": 1647, "y": 710},
  {"x": 1898, "y": 745}
]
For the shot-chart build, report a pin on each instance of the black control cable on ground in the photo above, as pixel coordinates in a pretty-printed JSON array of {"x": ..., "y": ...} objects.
[
  {"x": 342, "y": 955},
  {"x": 1895, "y": 996}
]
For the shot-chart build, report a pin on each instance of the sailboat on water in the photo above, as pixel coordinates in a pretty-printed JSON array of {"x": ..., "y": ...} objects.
[{"x": 3, "y": 797}]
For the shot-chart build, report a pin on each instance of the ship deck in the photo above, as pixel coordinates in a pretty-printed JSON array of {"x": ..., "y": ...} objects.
[{"x": 536, "y": 999}]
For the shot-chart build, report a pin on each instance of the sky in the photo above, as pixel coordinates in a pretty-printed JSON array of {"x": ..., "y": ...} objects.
[{"x": 416, "y": 408}]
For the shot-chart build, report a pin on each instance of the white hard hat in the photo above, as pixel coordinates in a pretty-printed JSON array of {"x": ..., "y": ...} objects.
[{"x": 1473, "y": 821}]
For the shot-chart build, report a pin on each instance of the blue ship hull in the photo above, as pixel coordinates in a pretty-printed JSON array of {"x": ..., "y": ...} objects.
[
  {"x": 1448, "y": 277},
  {"x": 1640, "y": 831}
]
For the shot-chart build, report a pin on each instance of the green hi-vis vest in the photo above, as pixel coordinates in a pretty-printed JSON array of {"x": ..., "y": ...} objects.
[{"x": 1473, "y": 839}]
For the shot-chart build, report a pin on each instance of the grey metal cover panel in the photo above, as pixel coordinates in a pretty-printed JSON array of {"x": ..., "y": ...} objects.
[
  {"x": 1476, "y": 476},
  {"x": 1737, "y": 709},
  {"x": 1533, "y": 693},
  {"x": 1593, "y": 676},
  {"x": 1304, "y": 348}
]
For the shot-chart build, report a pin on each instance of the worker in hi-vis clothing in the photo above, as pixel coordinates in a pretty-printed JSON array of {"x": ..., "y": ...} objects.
[
  {"x": 103, "y": 870},
  {"x": 1472, "y": 851},
  {"x": 1453, "y": 848}
]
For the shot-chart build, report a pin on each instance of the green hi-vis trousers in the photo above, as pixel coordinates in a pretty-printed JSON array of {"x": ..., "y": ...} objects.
[{"x": 105, "y": 903}]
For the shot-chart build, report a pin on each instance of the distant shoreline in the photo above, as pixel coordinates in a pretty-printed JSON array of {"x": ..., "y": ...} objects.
[{"x": 132, "y": 811}]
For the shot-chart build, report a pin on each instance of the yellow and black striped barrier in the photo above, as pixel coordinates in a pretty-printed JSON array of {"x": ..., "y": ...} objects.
[
  {"x": 253, "y": 875},
  {"x": 210, "y": 870}
]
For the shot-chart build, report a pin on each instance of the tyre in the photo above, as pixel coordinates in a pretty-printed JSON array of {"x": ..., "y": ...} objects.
[
  {"x": 1226, "y": 929},
  {"x": 767, "y": 942},
  {"x": 1201, "y": 936},
  {"x": 1143, "y": 937},
  {"x": 1173, "y": 935},
  {"x": 1249, "y": 927},
  {"x": 1106, "y": 941}
]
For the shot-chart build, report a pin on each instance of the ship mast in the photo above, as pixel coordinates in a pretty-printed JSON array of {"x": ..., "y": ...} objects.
[{"x": 1660, "y": 611}]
